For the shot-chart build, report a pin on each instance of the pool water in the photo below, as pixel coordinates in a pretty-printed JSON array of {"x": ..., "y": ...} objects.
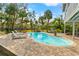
[{"x": 49, "y": 40}]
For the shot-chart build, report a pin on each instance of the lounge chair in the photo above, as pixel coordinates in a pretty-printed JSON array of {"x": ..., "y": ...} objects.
[
  {"x": 19, "y": 32},
  {"x": 17, "y": 36}
]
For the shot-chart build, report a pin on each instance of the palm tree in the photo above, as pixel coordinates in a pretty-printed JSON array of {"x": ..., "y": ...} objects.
[
  {"x": 1, "y": 15},
  {"x": 41, "y": 21},
  {"x": 34, "y": 19},
  {"x": 48, "y": 16},
  {"x": 11, "y": 10},
  {"x": 58, "y": 25},
  {"x": 1, "y": 20},
  {"x": 22, "y": 14},
  {"x": 30, "y": 16},
  {"x": 36, "y": 26},
  {"x": 26, "y": 22},
  {"x": 30, "y": 19},
  {"x": 7, "y": 23}
]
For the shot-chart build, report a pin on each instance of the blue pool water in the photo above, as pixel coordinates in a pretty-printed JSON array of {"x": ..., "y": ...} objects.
[{"x": 49, "y": 40}]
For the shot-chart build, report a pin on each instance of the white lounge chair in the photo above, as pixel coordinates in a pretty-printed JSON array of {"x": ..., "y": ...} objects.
[
  {"x": 19, "y": 33},
  {"x": 17, "y": 36}
]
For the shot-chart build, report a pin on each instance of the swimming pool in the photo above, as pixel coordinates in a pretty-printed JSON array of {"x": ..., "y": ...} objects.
[{"x": 49, "y": 40}]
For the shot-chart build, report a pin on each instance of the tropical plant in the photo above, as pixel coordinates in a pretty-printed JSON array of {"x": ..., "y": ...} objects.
[
  {"x": 48, "y": 16},
  {"x": 22, "y": 14},
  {"x": 68, "y": 28},
  {"x": 30, "y": 20},
  {"x": 34, "y": 19},
  {"x": 31, "y": 16},
  {"x": 1, "y": 15},
  {"x": 1, "y": 20},
  {"x": 58, "y": 25},
  {"x": 11, "y": 10},
  {"x": 41, "y": 21}
]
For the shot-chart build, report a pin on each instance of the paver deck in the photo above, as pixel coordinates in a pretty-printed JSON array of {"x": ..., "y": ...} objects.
[{"x": 28, "y": 47}]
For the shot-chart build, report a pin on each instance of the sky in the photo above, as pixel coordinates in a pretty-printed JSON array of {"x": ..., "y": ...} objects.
[{"x": 40, "y": 8}]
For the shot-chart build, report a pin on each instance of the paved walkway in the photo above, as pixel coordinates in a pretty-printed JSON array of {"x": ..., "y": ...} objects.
[{"x": 29, "y": 47}]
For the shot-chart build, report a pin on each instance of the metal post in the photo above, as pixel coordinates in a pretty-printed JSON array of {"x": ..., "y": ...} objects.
[
  {"x": 64, "y": 28},
  {"x": 73, "y": 29}
]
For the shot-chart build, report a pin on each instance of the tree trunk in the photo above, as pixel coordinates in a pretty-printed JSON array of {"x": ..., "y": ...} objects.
[
  {"x": 22, "y": 23},
  {"x": 7, "y": 26},
  {"x": 12, "y": 25},
  {"x": 31, "y": 24},
  {"x": 55, "y": 33},
  {"x": 42, "y": 24},
  {"x": 48, "y": 26},
  {"x": 1, "y": 25},
  {"x": 13, "y": 22}
]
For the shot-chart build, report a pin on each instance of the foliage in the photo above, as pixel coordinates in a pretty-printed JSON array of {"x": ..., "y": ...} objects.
[
  {"x": 11, "y": 9},
  {"x": 58, "y": 24},
  {"x": 15, "y": 16},
  {"x": 69, "y": 28},
  {"x": 48, "y": 16}
]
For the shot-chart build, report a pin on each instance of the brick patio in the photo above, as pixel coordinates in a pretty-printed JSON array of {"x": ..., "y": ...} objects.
[{"x": 28, "y": 47}]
